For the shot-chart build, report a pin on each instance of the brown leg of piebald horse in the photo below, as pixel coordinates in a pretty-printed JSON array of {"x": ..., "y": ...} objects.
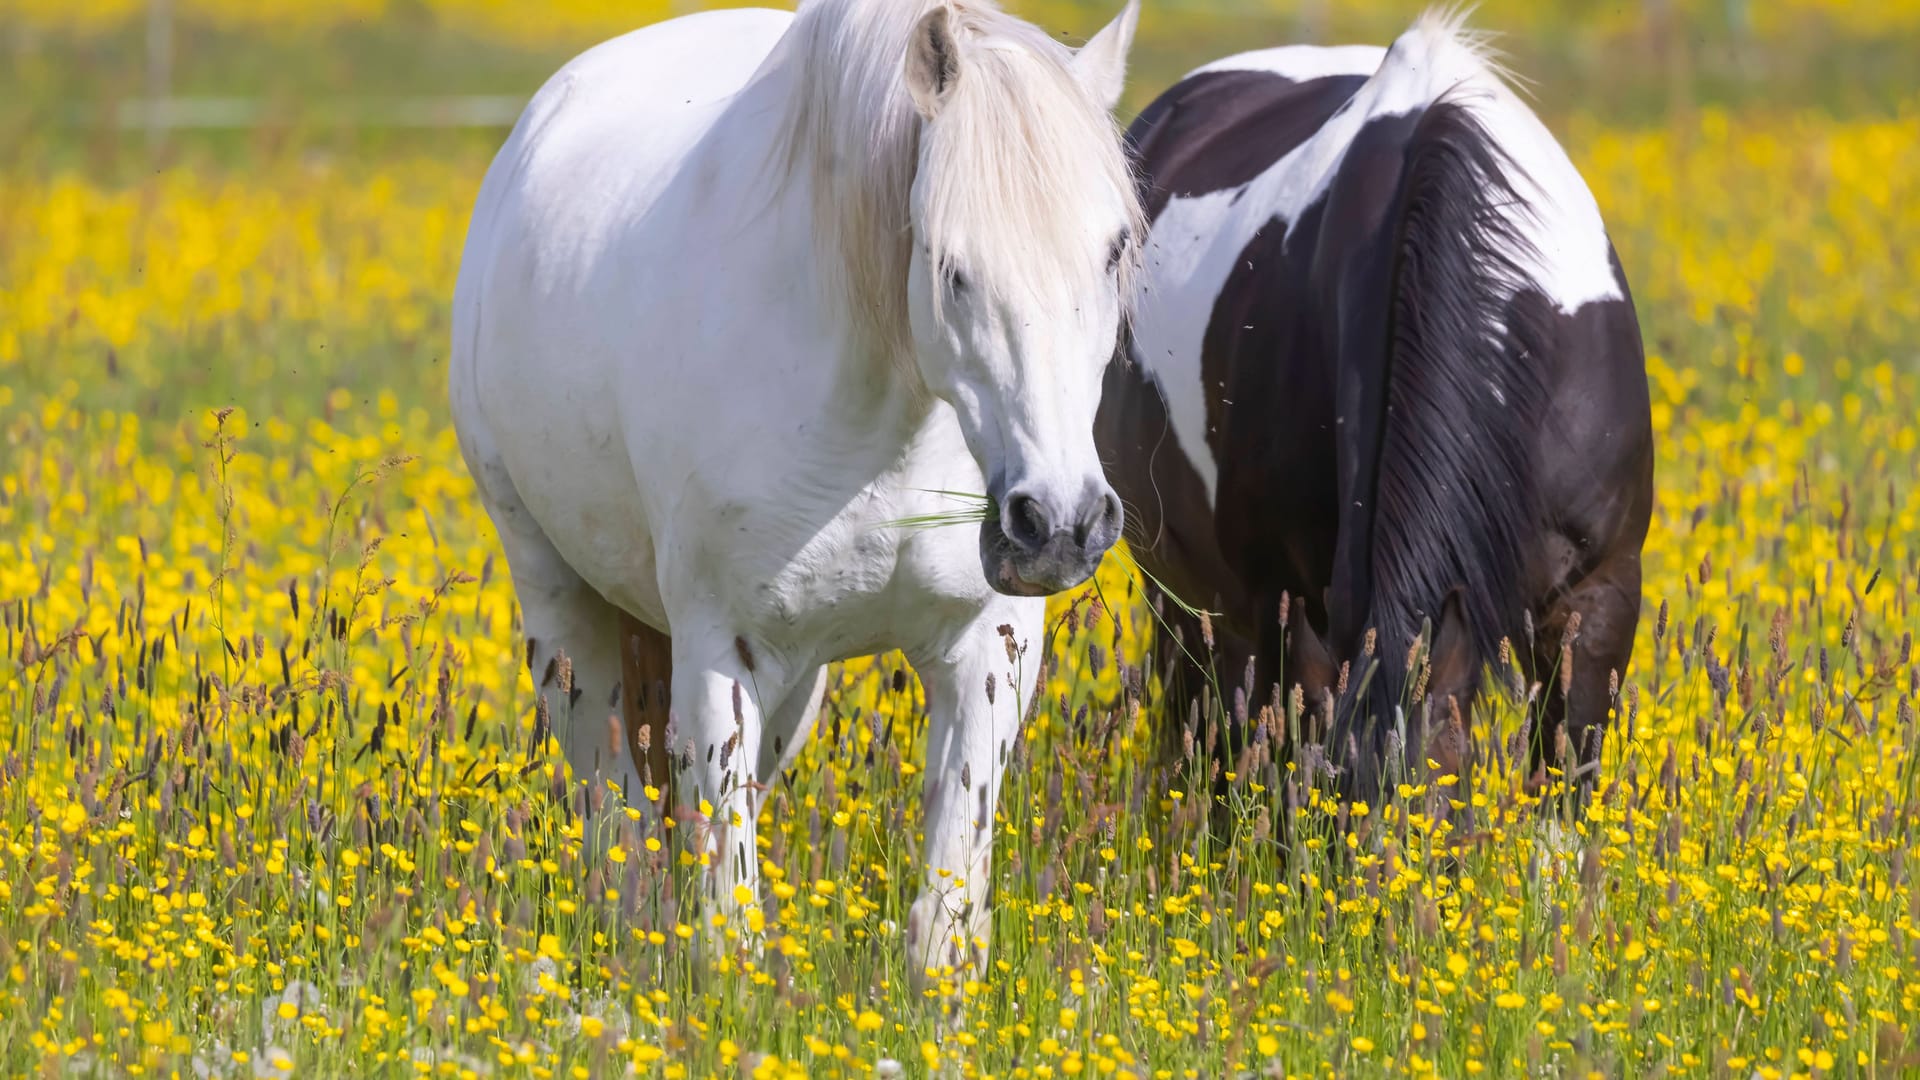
[
  {"x": 1193, "y": 667},
  {"x": 1197, "y": 670},
  {"x": 646, "y": 678},
  {"x": 1579, "y": 698}
]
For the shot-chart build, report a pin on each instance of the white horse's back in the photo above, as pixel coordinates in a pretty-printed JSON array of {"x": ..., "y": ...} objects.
[{"x": 608, "y": 129}]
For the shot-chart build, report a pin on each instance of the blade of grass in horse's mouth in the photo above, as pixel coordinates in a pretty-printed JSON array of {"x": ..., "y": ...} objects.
[{"x": 980, "y": 509}]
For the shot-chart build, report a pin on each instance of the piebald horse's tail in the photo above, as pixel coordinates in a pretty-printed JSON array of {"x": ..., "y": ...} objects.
[{"x": 1439, "y": 403}]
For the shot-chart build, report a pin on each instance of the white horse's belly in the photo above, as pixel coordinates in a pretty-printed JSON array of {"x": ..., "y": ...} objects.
[{"x": 572, "y": 472}]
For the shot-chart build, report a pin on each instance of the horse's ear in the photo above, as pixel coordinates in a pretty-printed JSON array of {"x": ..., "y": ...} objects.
[
  {"x": 933, "y": 61},
  {"x": 1102, "y": 62},
  {"x": 1309, "y": 663},
  {"x": 1452, "y": 664}
]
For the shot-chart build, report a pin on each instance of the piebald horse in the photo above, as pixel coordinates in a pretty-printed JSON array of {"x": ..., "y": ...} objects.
[
  {"x": 1384, "y": 363},
  {"x": 742, "y": 292}
]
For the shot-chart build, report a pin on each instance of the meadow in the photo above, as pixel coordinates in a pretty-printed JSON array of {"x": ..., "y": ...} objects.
[{"x": 275, "y": 801}]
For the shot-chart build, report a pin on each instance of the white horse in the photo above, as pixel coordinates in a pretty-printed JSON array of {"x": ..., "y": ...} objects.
[{"x": 742, "y": 289}]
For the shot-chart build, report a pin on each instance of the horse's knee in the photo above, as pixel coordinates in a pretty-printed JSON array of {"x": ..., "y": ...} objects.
[
  {"x": 948, "y": 935},
  {"x": 790, "y": 725}
]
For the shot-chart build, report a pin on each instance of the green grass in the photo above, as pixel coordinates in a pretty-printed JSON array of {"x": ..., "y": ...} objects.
[{"x": 274, "y": 785}]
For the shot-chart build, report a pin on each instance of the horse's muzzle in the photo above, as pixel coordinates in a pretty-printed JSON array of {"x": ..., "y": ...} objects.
[{"x": 1035, "y": 549}]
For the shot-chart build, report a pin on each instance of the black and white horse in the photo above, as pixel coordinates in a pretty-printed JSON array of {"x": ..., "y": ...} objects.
[{"x": 1384, "y": 362}]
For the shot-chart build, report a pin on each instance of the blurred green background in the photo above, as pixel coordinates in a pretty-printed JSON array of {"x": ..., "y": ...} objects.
[{"x": 264, "y": 76}]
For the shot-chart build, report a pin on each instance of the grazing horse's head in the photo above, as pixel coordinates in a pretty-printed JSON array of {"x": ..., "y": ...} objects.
[
  {"x": 1024, "y": 221},
  {"x": 1353, "y": 694}
]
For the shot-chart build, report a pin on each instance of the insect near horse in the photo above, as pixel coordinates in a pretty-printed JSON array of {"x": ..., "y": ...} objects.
[
  {"x": 741, "y": 291},
  {"x": 1384, "y": 363}
]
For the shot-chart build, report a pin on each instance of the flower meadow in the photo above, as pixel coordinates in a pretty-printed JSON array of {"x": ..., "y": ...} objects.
[{"x": 277, "y": 798}]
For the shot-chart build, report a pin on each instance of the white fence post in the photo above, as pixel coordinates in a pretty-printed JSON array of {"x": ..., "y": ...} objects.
[{"x": 159, "y": 68}]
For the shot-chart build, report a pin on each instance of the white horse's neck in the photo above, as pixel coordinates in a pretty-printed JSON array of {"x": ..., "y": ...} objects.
[
  {"x": 834, "y": 198},
  {"x": 845, "y": 401}
]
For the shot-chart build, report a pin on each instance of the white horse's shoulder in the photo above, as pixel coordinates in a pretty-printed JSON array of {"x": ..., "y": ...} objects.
[{"x": 598, "y": 145}]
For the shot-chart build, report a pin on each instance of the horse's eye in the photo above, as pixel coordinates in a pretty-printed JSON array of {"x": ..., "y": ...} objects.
[
  {"x": 956, "y": 281},
  {"x": 1118, "y": 249}
]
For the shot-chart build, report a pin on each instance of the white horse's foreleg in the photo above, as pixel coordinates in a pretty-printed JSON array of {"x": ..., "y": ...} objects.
[
  {"x": 789, "y": 727},
  {"x": 717, "y": 688},
  {"x": 976, "y": 697}
]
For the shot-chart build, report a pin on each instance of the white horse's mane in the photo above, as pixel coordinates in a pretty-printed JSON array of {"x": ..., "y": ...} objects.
[{"x": 1020, "y": 140}]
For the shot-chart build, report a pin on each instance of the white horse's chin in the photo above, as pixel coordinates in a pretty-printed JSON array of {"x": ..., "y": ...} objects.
[
  {"x": 1009, "y": 582},
  {"x": 1055, "y": 568}
]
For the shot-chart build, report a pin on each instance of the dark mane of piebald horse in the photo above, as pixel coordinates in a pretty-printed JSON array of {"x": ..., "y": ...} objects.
[{"x": 1441, "y": 490}]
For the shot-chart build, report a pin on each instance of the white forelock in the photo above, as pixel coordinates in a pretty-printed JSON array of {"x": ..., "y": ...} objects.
[{"x": 1018, "y": 148}]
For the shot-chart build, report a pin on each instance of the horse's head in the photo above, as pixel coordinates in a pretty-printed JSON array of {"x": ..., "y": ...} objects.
[
  {"x": 1354, "y": 694},
  {"x": 1025, "y": 224}
]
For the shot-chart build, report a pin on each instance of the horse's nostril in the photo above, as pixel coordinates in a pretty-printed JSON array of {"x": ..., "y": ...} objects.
[
  {"x": 1102, "y": 522},
  {"x": 1026, "y": 522},
  {"x": 1110, "y": 515}
]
